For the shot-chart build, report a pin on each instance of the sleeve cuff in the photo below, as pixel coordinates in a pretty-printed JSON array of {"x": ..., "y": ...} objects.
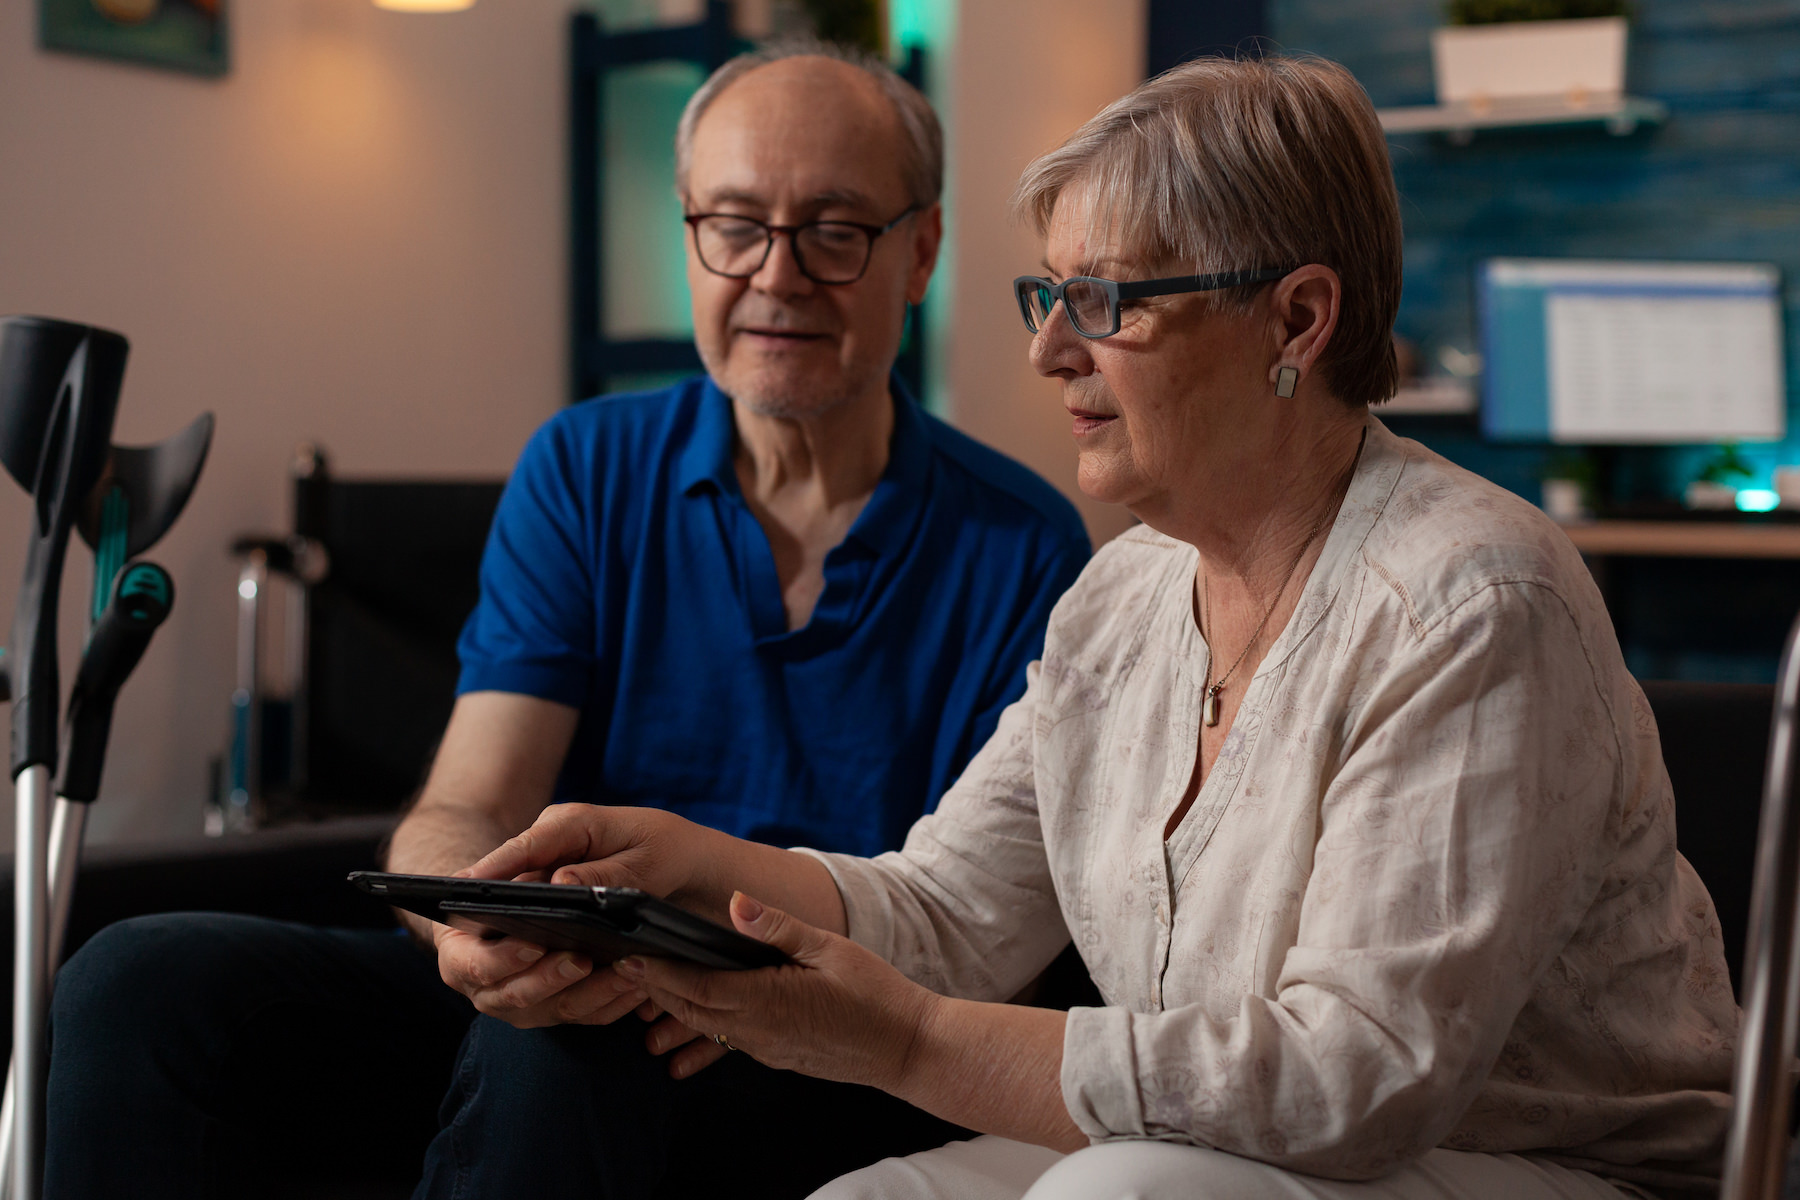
[
  {"x": 564, "y": 683},
  {"x": 1099, "y": 1074}
]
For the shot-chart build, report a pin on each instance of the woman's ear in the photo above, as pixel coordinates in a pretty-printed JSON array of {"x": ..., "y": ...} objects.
[{"x": 1303, "y": 316}]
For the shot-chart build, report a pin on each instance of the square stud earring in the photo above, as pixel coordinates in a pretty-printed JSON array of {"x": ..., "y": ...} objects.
[{"x": 1286, "y": 380}]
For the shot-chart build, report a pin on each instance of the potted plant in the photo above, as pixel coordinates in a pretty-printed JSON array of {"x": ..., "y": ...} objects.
[
  {"x": 1571, "y": 51},
  {"x": 1570, "y": 483},
  {"x": 1720, "y": 476}
]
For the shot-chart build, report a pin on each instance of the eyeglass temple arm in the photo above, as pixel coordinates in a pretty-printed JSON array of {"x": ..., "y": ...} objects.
[{"x": 1197, "y": 283}]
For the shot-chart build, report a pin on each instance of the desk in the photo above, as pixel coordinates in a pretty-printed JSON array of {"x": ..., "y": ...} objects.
[
  {"x": 1684, "y": 539},
  {"x": 350, "y": 837},
  {"x": 1699, "y": 600}
]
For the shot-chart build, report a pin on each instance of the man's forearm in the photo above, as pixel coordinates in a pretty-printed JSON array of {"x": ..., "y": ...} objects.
[
  {"x": 437, "y": 839},
  {"x": 493, "y": 774}
]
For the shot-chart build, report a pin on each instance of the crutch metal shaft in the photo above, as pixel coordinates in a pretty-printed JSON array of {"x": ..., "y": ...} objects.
[
  {"x": 68, "y": 822},
  {"x": 31, "y": 972},
  {"x": 1756, "y": 1144}
]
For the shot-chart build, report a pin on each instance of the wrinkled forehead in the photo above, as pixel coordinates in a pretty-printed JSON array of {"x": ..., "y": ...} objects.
[
  {"x": 1106, "y": 218},
  {"x": 1087, "y": 236},
  {"x": 798, "y": 130}
]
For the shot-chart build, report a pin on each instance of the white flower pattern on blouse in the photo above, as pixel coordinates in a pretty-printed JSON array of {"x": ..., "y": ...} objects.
[{"x": 1428, "y": 895}]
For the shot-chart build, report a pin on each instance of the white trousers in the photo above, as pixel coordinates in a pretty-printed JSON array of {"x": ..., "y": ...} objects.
[{"x": 995, "y": 1168}]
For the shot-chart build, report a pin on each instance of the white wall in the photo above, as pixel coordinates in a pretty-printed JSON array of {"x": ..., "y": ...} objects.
[
  {"x": 1026, "y": 74},
  {"x": 357, "y": 238}
]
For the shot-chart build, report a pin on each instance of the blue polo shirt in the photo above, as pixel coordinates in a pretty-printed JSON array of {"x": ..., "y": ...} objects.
[{"x": 625, "y": 577}]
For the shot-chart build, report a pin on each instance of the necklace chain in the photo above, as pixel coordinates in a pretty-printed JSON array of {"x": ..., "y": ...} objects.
[
  {"x": 1211, "y": 705},
  {"x": 1209, "y": 708}
]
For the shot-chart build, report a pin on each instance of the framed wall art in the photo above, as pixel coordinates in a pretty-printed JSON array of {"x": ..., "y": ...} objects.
[{"x": 185, "y": 35}]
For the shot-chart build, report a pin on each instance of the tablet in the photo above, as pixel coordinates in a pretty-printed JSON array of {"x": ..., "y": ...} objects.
[{"x": 604, "y": 923}]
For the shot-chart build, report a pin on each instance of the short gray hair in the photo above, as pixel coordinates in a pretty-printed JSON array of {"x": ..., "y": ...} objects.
[
  {"x": 922, "y": 164},
  {"x": 1234, "y": 165}
]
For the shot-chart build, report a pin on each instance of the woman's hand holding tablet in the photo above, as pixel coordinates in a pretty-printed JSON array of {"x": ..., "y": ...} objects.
[{"x": 606, "y": 924}]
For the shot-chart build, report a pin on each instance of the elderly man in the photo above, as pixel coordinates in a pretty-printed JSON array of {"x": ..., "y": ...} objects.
[{"x": 780, "y": 600}]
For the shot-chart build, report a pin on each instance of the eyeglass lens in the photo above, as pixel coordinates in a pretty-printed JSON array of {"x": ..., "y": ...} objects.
[
  {"x": 828, "y": 252},
  {"x": 1085, "y": 300}
]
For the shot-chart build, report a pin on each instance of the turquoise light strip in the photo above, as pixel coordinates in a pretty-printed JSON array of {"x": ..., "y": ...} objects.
[
  {"x": 925, "y": 22},
  {"x": 109, "y": 555}
]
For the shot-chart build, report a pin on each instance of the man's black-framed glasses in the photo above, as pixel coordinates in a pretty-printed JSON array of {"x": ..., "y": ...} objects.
[
  {"x": 825, "y": 251},
  {"x": 1093, "y": 304}
]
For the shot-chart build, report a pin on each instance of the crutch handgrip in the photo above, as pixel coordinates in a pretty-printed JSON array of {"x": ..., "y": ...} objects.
[{"x": 141, "y": 600}]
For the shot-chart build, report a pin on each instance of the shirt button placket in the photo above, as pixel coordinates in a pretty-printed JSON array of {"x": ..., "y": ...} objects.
[{"x": 1163, "y": 929}]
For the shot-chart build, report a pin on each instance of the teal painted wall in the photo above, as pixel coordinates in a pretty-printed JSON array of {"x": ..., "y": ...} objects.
[{"x": 645, "y": 292}]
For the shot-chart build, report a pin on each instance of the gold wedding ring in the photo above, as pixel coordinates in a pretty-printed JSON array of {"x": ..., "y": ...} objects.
[{"x": 722, "y": 1040}]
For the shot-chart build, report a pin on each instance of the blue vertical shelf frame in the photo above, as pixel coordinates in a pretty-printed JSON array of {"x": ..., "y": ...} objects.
[{"x": 594, "y": 358}]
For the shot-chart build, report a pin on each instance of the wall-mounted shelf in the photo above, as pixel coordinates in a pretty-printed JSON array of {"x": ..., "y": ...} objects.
[{"x": 1620, "y": 115}]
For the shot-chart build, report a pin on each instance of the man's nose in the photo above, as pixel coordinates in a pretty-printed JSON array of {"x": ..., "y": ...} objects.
[
  {"x": 1057, "y": 350},
  {"x": 780, "y": 274}
]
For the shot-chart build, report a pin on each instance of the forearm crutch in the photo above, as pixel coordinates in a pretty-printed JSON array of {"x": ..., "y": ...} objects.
[
  {"x": 59, "y": 392},
  {"x": 140, "y": 601}
]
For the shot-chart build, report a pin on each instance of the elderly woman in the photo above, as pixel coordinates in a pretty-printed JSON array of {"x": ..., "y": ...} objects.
[{"x": 1331, "y": 770}]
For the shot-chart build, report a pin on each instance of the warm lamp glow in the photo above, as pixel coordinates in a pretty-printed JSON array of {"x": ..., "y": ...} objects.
[{"x": 425, "y": 5}]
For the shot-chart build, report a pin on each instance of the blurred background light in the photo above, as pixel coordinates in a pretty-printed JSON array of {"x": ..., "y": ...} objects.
[{"x": 425, "y": 6}]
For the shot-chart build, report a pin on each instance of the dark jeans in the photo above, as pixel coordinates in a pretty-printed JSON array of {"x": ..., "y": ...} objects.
[{"x": 212, "y": 1055}]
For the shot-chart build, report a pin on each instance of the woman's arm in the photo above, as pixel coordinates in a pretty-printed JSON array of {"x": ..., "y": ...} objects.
[
  {"x": 666, "y": 855},
  {"x": 839, "y": 1012},
  {"x": 968, "y": 908},
  {"x": 663, "y": 854},
  {"x": 994, "y": 1068}
]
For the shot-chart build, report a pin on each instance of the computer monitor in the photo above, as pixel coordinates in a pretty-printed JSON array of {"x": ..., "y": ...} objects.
[{"x": 1605, "y": 353}]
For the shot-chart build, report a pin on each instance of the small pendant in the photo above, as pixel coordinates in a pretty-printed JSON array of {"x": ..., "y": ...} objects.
[{"x": 1209, "y": 708}]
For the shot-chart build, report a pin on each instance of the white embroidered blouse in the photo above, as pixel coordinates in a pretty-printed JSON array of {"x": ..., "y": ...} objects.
[{"x": 1429, "y": 894}]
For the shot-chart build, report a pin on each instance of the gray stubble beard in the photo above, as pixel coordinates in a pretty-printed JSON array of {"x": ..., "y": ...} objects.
[{"x": 787, "y": 406}]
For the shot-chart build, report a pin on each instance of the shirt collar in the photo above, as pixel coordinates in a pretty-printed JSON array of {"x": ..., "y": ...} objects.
[
  {"x": 707, "y": 456},
  {"x": 888, "y": 518},
  {"x": 1372, "y": 482}
]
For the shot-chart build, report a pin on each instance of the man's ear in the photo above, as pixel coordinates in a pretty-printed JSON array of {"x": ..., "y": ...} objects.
[
  {"x": 1303, "y": 316},
  {"x": 928, "y": 236}
]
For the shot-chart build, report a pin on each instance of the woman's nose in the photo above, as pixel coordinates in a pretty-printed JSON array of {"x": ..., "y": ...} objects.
[{"x": 1057, "y": 350}]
